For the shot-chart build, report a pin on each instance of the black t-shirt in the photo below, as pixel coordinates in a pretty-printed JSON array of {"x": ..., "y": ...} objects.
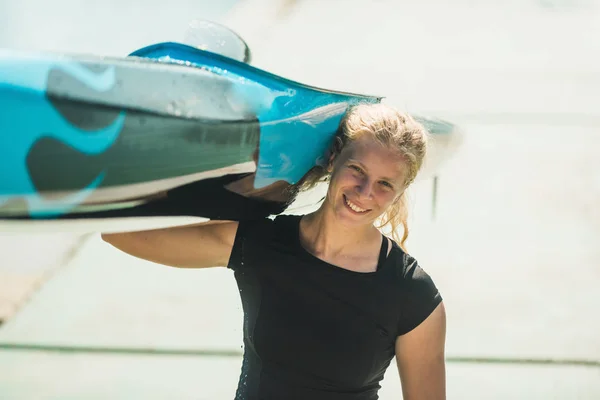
[{"x": 313, "y": 330}]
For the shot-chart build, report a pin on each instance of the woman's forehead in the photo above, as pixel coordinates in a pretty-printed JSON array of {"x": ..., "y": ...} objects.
[{"x": 369, "y": 148}]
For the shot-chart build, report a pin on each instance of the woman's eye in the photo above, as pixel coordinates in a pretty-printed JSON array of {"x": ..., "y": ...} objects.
[
  {"x": 356, "y": 168},
  {"x": 387, "y": 184}
]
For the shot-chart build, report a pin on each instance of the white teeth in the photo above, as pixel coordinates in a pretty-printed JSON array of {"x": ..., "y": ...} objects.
[{"x": 354, "y": 206}]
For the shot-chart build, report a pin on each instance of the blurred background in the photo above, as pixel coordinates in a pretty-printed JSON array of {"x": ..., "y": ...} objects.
[{"x": 513, "y": 244}]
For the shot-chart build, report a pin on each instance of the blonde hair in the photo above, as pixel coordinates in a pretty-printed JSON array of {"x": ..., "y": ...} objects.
[{"x": 391, "y": 128}]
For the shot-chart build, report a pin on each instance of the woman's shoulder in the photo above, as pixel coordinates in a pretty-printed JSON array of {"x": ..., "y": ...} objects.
[
  {"x": 416, "y": 290},
  {"x": 273, "y": 221},
  {"x": 264, "y": 227},
  {"x": 287, "y": 219},
  {"x": 407, "y": 270}
]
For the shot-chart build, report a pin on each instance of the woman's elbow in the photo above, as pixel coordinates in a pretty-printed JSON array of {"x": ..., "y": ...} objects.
[
  {"x": 111, "y": 238},
  {"x": 121, "y": 241}
]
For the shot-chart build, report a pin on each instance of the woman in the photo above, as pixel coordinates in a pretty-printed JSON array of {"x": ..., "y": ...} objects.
[{"x": 328, "y": 300}]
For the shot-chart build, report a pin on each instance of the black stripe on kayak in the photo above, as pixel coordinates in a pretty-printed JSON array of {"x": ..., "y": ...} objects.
[{"x": 149, "y": 148}]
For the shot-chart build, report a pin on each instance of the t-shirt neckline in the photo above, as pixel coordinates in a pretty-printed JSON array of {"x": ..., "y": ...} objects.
[{"x": 383, "y": 254}]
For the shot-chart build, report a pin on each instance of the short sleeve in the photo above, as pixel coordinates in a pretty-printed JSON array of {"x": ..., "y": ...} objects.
[
  {"x": 420, "y": 297},
  {"x": 249, "y": 234},
  {"x": 237, "y": 251}
]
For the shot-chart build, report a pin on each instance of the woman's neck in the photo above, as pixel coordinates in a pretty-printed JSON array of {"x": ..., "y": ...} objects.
[{"x": 326, "y": 237}]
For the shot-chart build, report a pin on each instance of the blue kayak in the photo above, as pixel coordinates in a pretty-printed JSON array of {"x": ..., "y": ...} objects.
[{"x": 84, "y": 134}]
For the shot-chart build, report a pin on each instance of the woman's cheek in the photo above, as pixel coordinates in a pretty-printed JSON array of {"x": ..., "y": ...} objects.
[{"x": 387, "y": 196}]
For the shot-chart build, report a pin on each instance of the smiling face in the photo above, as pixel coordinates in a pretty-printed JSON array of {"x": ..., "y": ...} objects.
[{"x": 366, "y": 179}]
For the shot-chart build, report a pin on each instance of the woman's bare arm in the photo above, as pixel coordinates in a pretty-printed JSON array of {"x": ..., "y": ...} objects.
[
  {"x": 194, "y": 246},
  {"x": 420, "y": 355}
]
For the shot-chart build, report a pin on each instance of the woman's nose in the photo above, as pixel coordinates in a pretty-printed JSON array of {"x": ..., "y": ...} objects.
[{"x": 365, "y": 188}]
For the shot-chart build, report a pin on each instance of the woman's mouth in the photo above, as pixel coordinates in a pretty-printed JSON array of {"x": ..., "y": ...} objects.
[{"x": 354, "y": 207}]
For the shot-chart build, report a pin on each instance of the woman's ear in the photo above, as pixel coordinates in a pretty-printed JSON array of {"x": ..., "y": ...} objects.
[
  {"x": 330, "y": 163},
  {"x": 335, "y": 151}
]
